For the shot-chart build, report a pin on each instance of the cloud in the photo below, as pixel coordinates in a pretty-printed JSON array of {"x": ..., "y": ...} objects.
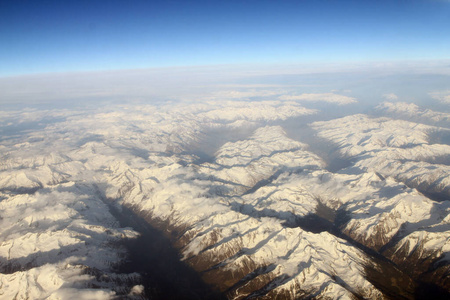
[
  {"x": 207, "y": 82},
  {"x": 390, "y": 96},
  {"x": 255, "y": 111},
  {"x": 233, "y": 94},
  {"x": 324, "y": 97},
  {"x": 441, "y": 96},
  {"x": 346, "y": 91}
]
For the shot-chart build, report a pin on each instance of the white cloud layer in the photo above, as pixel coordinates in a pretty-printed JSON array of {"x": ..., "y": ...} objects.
[
  {"x": 234, "y": 94},
  {"x": 203, "y": 82},
  {"x": 323, "y": 97},
  {"x": 441, "y": 96},
  {"x": 390, "y": 96}
]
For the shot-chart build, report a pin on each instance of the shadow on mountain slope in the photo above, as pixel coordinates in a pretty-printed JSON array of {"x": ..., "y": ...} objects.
[{"x": 152, "y": 255}]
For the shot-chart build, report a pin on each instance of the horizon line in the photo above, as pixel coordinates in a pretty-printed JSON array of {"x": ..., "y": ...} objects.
[{"x": 332, "y": 65}]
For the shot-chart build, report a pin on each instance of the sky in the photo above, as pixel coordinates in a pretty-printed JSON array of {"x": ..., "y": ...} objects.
[{"x": 65, "y": 36}]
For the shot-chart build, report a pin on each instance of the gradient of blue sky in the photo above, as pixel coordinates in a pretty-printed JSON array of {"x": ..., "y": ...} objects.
[{"x": 48, "y": 36}]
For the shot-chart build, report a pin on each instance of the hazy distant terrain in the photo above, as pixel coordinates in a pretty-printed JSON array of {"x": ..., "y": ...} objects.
[{"x": 308, "y": 185}]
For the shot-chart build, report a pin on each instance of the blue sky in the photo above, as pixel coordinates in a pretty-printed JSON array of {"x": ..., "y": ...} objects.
[{"x": 63, "y": 36}]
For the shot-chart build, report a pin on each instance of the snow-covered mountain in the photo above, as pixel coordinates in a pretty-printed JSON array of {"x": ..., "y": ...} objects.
[
  {"x": 408, "y": 227},
  {"x": 410, "y": 111},
  {"x": 256, "y": 213}
]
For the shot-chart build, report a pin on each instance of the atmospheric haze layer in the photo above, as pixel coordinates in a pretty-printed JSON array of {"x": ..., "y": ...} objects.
[{"x": 299, "y": 182}]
